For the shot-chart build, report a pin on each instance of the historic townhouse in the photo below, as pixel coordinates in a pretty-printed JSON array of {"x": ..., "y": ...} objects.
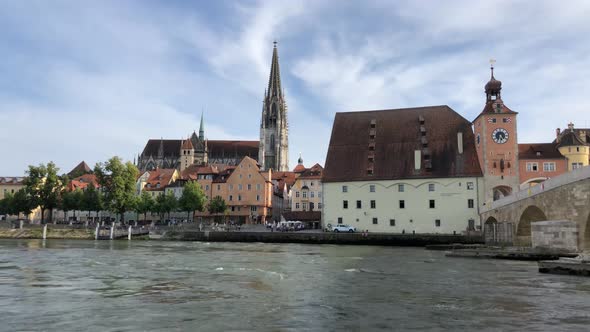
[{"x": 402, "y": 171}]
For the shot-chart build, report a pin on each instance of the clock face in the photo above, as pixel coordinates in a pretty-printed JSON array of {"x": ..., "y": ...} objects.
[{"x": 500, "y": 135}]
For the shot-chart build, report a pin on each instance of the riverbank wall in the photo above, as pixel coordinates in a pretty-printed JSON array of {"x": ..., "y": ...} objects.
[
  {"x": 52, "y": 233},
  {"x": 416, "y": 240}
]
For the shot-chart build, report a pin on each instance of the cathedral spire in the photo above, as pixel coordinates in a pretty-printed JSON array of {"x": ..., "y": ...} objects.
[
  {"x": 274, "y": 81},
  {"x": 202, "y": 128}
]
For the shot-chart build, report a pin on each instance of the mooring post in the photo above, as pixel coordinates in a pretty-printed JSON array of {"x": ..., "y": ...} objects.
[
  {"x": 112, "y": 231},
  {"x": 21, "y": 224},
  {"x": 96, "y": 232},
  {"x": 129, "y": 234},
  {"x": 44, "y": 231}
]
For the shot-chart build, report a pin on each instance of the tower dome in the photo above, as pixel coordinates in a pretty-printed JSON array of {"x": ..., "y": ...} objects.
[{"x": 493, "y": 87}]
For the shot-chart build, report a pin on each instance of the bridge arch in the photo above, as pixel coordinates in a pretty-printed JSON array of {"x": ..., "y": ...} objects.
[
  {"x": 523, "y": 232},
  {"x": 501, "y": 191},
  {"x": 491, "y": 220}
]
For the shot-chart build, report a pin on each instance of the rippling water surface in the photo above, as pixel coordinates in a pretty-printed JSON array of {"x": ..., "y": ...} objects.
[{"x": 187, "y": 286}]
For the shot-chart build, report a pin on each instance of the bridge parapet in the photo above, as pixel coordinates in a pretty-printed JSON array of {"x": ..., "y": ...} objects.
[{"x": 558, "y": 181}]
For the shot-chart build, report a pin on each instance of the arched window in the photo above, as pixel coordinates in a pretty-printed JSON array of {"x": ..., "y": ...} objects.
[{"x": 272, "y": 142}]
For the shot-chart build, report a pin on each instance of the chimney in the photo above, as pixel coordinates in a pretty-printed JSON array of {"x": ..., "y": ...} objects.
[
  {"x": 417, "y": 160},
  {"x": 460, "y": 142},
  {"x": 557, "y": 133}
]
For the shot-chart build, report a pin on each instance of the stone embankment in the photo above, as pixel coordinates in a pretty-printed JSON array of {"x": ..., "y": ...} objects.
[
  {"x": 316, "y": 238},
  {"x": 513, "y": 253},
  {"x": 52, "y": 233}
]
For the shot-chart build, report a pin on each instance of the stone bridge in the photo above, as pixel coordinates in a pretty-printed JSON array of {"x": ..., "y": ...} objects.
[{"x": 564, "y": 197}]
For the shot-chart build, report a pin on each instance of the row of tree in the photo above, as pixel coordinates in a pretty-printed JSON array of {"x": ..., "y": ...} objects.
[{"x": 45, "y": 189}]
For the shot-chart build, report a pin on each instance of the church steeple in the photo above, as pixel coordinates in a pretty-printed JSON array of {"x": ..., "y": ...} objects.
[
  {"x": 274, "y": 80},
  {"x": 273, "y": 152},
  {"x": 202, "y": 129}
]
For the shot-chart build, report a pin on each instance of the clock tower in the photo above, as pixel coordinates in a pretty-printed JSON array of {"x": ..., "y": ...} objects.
[{"x": 496, "y": 144}]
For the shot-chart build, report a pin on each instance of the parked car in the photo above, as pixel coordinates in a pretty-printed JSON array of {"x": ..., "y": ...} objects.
[{"x": 344, "y": 228}]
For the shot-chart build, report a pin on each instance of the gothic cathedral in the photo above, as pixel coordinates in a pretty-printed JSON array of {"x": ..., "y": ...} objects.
[{"x": 273, "y": 149}]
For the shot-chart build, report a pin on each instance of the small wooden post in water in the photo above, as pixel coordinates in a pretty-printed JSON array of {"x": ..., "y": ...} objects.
[
  {"x": 21, "y": 224},
  {"x": 96, "y": 232},
  {"x": 112, "y": 231},
  {"x": 44, "y": 231},
  {"x": 129, "y": 234}
]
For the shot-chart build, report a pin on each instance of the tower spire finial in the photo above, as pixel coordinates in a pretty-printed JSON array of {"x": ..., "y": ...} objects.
[
  {"x": 492, "y": 63},
  {"x": 202, "y": 127}
]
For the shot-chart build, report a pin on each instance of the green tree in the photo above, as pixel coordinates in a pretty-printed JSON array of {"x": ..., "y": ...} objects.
[
  {"x": 92, "y": 200},
  {"x": 192, "y": 199},
  {"x": 43, "y": 186},
  {"x": 166, "y": 203},
  {"x": 117, "y": 181},
  {"x": 22, "y": 203},
  {"x": 144, "y": 204},
  {"x": 7, "y": 205},
  {"x": 217, "y": 205}
]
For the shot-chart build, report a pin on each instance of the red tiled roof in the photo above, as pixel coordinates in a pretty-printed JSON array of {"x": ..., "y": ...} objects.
[
  {"x": 187, "y": 145},
  {"x": 11, "y": 180},
  {"x": 538, "y": 151},
  {"x": 299, "y": 168},
  {"x": 315, "y": 172},
  {"x": 192, "y": 171},
  {"x": 81, "y": 167},
  {"x": 82, "y": 182},
  {"x": 398, "y": 133},
  {"x": 163, "y": 176}
]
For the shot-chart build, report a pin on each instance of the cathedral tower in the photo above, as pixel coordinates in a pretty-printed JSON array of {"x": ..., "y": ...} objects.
[
  {"x": 273, "y": 151},
  {"x": 496, "y": 144}
]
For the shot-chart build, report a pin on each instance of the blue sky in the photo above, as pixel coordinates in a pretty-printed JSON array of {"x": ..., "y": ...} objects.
[{"x": 82, "y": 80}]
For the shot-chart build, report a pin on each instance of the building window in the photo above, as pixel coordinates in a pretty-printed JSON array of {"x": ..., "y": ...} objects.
[
  {"x": 345, "y": 204},
  {"x": 296, "y": 194},
  {"x": 231, "y": 198},
  {"x": 431, "y": 187},
  {"x": 344, "y": 189},
  {"x": 240, "y": 174},
  {"x": 258, "y": 187},
  {"x": 249, "y": 187},
  {"x": 254, "y": 208},
  {"x": 239, "y": 197},
  {"x": 469, "y": 185},
  {"x": 470, "y": 203},
  {"x": 319, "y": 194},
  {"x": 339, "y": 220},
  {"x": 297, "y": 206},
  {"x": 400, "y": 188},
  {"x": 576, "y": 165},
  {"x": 218, "y": 187},
  {"x": 431, "y": 203},
  {"x": 494, "y": 120},
  {"x": 207, "y": 187},
  {"x": 549, "y": 167},
  {"x": 391, "y": 222},
  {"x": 304, "y": 194},
  {"x": 304, "y": 206},
  {"x": 319, "y": 205},
  {"x": 231, "y": 187},
  {"x": 373, "y": 204},
  {"x": 372, "y": 188},
  {"x": 257, "y": 197},
  {"x": 249, "y": 175},
  {"x": 311, "y": 194},
  {"x": 239, "y": 187},
  {"x": 532, "y": 167},
  {"x": 375, "y": 221},
  {"x": 402, "y": 204},
  {"x": 233, "y": 208},
  {"x": 358, "y": 204},
  {"x": 437, "y": 223}
]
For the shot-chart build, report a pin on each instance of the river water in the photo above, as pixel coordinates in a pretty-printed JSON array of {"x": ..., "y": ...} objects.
[{"x": 62, "y": 285}]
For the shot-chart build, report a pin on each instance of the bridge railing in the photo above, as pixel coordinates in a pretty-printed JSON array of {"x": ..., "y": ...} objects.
[{"x": 552, "y": 183}]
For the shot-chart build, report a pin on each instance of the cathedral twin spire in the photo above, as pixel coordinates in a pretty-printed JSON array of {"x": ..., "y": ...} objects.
[{"x": 273, "y": 148}]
